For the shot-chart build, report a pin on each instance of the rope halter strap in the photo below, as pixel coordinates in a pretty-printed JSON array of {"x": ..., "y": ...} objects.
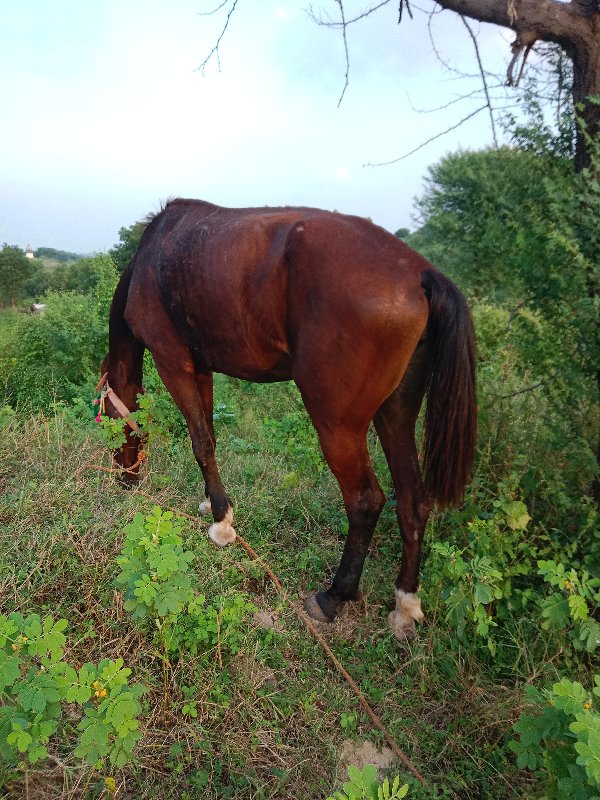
[{"x": 117, "y": 403}]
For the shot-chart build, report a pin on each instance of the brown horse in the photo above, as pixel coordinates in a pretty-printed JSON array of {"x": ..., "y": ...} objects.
[{"x": 363, "y": 325}]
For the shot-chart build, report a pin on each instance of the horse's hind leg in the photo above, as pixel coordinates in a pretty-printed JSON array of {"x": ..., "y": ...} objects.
[
  {"x": 395, "y": 425},
  {"x": 345, "y": 451}
]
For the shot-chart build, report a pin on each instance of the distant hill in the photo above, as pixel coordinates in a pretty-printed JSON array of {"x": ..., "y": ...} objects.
[{"x": 62, "y": 256}]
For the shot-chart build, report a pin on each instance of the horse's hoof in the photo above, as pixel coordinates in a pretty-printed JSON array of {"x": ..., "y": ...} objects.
[
  {"x": 128, "y": 480},
  {"x": 403, "y": 627},
  {"x": 402, "y": 620},
  {"x": 205, "y": 507},
  {"x": 314, "y": 610},
  {"x": 222, "y": 533}
]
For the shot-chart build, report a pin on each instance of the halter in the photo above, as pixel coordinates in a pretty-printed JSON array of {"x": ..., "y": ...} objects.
[{"x": 118, "y": 404}]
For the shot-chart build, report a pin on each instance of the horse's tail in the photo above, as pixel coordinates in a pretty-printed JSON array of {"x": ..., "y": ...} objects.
[{"x": 451, "y": 414}]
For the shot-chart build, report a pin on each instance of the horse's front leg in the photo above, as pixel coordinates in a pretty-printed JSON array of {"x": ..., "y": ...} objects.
[
  {"x": 192, "y": 392},
  {"x": 204, "y": 381},
  {"x": 346, "y": 453}
]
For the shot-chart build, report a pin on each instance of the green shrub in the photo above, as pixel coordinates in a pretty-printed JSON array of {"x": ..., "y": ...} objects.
[
  {"x": 159, "y": 588},
  {"x": 559, "y": 739},
  {"x": 363, "y": 785},
  {"x": 35, "y": 682},
  {"x": 51, "y": 356}
]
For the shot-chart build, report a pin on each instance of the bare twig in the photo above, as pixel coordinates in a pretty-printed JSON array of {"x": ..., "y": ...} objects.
[
  {"x": 214, "y": 11},
  {"x": 483, "y": 78},
  {"x": 344, "y": 25},
  {"x": 401, "y": 5},
  {"x": 476, "y": 93},
  {"x": 428, "y": 141},
  {"x": 333, "y": 24},
  {"x": 524, "y": 41},
  {"x": 521, "y": 391},
  {"x": 215, "y": 49}
]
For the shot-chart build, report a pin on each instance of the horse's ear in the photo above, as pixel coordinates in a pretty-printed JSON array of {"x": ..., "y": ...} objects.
[{"x": 104, "y": 365}]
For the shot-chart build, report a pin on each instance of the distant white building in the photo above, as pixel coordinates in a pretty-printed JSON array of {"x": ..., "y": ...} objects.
[{"x": 29, "y": 252}]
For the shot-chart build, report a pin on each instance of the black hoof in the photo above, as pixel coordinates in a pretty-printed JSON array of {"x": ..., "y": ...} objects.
[
  {"x": 128, "y": 480},
  {"x": 320, "y": 607}
]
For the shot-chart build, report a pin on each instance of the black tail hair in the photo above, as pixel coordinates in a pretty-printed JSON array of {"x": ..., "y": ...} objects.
[{"x": 451, "y": 414}]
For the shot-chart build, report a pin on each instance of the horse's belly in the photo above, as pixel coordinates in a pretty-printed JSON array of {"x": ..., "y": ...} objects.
[{"x": 252, "y": 358}]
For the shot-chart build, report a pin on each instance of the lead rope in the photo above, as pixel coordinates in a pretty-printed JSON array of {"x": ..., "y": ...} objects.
[{"x": 303, "y": 617}]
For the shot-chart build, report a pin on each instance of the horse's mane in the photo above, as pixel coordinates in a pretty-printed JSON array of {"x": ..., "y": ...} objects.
[{"x": 151, "y": 215}]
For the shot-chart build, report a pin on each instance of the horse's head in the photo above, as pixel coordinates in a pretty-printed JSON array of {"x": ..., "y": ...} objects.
[{"x": 131, "y": 454}]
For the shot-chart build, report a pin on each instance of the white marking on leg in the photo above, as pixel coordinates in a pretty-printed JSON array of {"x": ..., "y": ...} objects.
[
  {"x": 408, "y": 610},
  {"x": 223, "y": 533},
  {"x": 205, "y": 507}
]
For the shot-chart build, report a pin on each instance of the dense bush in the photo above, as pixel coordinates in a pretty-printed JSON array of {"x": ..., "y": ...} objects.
[{"x": 51, "y": 356}]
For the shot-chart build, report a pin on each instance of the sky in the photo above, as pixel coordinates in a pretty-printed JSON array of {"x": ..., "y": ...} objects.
[{"x": 106, "y": 112}]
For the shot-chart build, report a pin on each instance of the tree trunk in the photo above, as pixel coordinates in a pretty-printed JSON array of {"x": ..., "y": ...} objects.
[{"x": 574, "y": 26}]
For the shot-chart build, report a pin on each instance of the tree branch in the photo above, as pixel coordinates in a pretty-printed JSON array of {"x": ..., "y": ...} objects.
[
  {"x": 424, "y": 144},
  {"x": 550, "y": 20},
  {"x": 332, "y": 24},
  {"x": 346, "y": 76}
]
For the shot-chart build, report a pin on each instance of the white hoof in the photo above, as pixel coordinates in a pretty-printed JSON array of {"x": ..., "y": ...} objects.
[
  {"x": 223, "y": 533},
  {"x": 408, "y": 611},
  {"x": 205, "y": 507}
]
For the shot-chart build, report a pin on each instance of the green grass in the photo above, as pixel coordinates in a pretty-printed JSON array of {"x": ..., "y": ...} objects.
[{"x": 270, "y": 716}]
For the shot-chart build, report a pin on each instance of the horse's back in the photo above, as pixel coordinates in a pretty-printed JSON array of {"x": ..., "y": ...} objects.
[{"x": 252, "y": 290}]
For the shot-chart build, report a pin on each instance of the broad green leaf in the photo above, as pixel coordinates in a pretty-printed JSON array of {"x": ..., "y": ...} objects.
[
  {"x": 517, "y": 517},
  {"x": 578, "y": 607},
  {"x": 9, "y": 669}
]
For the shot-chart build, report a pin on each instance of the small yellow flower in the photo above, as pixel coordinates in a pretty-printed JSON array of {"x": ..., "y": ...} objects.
[{"x": 587, "y": 705}]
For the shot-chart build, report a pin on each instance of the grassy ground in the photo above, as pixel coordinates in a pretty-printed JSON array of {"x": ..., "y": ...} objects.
[{"x": 272, "y": 716}]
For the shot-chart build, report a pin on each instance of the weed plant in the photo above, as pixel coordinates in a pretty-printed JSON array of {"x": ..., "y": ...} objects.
[{"x": 234, "y": 707}]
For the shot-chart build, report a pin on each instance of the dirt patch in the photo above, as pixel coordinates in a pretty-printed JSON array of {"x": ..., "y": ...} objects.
[
  {"x": 359, "y": 754},
  {"x": 267, "y": 620}
]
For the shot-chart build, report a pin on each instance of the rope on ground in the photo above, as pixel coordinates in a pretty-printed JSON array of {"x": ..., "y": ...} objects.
[
  {"x": 304, "y": 618},
  {"x": 142, "y": 456}
]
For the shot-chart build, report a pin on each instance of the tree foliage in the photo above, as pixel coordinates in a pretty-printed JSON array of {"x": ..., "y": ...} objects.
[
  {"x": 15, "y": 271},
  {"x": 52, "y": 355},
  {"x": 517, "y": 227},
  {"x": 129, "y": 239}
]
